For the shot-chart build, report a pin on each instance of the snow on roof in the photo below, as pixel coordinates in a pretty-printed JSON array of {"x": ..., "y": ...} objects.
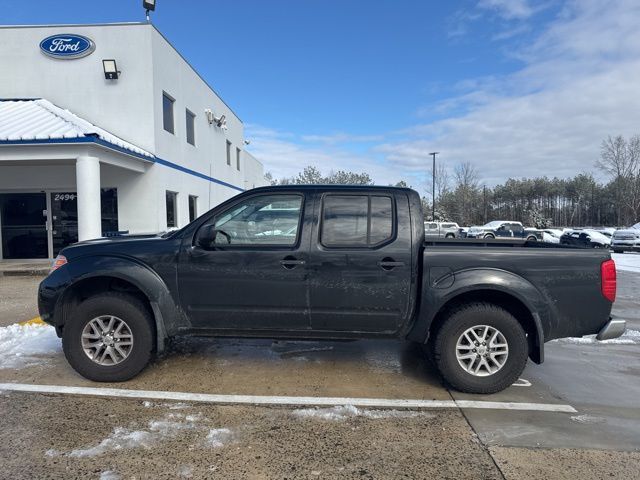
[{"x": 39, "y": 119}]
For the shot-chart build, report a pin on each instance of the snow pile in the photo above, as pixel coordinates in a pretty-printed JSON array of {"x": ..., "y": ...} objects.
[
  {"x": 157, "y": 431},
  {"x": 219, "y": 437},
  {"x": 342, "y": 412},
  {"x": 123, "y": 438},
  {"x": 24, "y": 345},
  {"x": 630, "y": 337},
  {"x": 109, "y": 475},
  {"x": 627, "y": 262}
]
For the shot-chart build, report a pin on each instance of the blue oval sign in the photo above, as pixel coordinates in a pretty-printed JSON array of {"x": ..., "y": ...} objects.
[{"x": 67, "y": 46}]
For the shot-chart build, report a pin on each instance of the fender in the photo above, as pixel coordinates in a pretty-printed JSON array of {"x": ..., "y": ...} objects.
[
  {"x": 439, "y": 289},
  {"x": 167, "y": 315}
]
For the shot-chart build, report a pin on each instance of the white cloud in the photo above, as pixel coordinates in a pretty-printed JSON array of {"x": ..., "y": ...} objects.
[
  {"x": 509, "y": 9},
  {"x": 577, "y": 85},
  {"x": 285, "y": 155}
]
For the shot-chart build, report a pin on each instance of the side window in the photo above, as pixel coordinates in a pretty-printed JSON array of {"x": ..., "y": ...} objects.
[
  {"x": 381, "y": 220},
  {"x": 356, "y": 220},
  {"x": 260, "y": 220}
]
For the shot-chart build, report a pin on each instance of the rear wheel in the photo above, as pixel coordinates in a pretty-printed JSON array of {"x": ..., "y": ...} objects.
[
  {"x": 532, "y": 239},
  {"x": 109, "y": 337},
  {"x": 480, "y": 348}
]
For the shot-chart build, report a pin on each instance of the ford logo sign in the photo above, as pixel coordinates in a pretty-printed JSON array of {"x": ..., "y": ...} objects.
[{"x": 67, "y": 46}]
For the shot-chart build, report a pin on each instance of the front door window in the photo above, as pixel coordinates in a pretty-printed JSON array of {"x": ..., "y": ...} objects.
[{"x": 64, "y": 219}]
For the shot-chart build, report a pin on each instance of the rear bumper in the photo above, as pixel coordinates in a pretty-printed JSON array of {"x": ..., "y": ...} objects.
[{"x": 613, "y": 329}]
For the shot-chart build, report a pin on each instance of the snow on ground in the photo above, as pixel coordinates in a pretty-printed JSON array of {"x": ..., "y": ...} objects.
[
  {"x": 342, "y": 412},
  {"x": 627, "y": 262},
  {"x": 24, "y": 345},
  {"x": 156, "y": 431},
  {"x": 219, "y": 437},
  {"x": 630, "y": 337}
]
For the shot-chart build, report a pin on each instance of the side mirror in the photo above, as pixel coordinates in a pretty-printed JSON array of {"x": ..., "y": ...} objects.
[{"x": 206, "y": 236}]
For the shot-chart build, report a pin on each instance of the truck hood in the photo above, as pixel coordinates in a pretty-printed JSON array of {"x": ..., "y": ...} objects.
[{"x": 130, "y": 244}]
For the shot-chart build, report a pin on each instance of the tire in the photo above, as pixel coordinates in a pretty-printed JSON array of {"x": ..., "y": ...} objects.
[
  {"x": 449, "y": 235},
  {"x": 489, "y": 236},
  {"x": 532, "y": 239},
  {"x": 138, "y": 325},
  {"x": 450, "y": 334}
]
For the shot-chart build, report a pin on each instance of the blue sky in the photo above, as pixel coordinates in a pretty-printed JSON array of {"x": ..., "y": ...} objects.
[{"x": 517, "y": 87}]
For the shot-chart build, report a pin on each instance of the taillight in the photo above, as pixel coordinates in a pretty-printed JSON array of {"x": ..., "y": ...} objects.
[
  {"x": 58, "y": 262},
  {"x": 608, "y": 280}
]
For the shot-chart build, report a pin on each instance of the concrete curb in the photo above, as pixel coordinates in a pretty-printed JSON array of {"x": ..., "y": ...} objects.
[{"x": 36, "y": 272}]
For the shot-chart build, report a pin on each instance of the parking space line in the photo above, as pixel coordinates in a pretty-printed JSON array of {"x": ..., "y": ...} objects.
[{"x": 282, "y": 400}]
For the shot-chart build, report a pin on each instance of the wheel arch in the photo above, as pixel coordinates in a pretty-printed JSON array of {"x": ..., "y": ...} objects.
[
  {"x": 509, "y": 302},
  {"x": 124, "y": 276},
  {"x": 503, "y": 288}
]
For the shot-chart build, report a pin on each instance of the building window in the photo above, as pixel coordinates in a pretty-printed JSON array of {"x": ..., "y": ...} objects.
[
  {"x": 167, "y": 112},
  {"x": 228, "y": 152},
  {"x": 172, "y": 209},
  {"x": 238, "y": 158},
  {"x": 191, "y": 133},
  {"x": 193, "y": 207}
]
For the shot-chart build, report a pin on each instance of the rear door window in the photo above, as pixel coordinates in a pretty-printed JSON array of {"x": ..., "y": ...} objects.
[{"x": 359, "y": 221}]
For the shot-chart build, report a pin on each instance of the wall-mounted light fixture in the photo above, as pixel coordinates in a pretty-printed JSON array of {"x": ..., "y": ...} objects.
[
  {"x": 149, "y": 6},
  {"x": 220, "y": 121},
  {"x": 110, "y": 68}
]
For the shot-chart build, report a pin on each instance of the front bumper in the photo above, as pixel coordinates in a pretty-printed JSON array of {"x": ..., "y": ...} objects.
[
  {"x": 613, "y": 329},
  {"x": 626, "y": 246}
]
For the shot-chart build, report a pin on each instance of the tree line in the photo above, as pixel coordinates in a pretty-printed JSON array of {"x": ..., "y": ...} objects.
[{"x": 541, "y": 202}]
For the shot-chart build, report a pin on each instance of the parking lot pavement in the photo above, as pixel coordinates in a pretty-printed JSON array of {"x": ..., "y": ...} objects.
[
  {"x": 18, "y": 298},
  {"x": 70, "y": 436}
]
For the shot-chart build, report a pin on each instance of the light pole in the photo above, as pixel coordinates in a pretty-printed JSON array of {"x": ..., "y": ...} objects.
[{"x": 433, "y": 187}]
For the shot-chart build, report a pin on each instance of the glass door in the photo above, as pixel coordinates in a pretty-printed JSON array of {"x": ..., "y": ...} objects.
[
  {"x": 23, "y": 217},
  {"x": 64, "y": 219}
]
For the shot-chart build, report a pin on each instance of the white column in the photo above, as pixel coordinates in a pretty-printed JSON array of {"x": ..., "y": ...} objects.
[{"x": 88, "y": 188}]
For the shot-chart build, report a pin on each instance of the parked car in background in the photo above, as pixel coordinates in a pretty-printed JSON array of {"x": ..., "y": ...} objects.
[
  {"x": 626, "y": 239},
  {"x": 441, "y": 229},
  {"x": 585, "y": 238},
  {"x": 503, "y": 229},
  {"x": 552, "y": 235}
]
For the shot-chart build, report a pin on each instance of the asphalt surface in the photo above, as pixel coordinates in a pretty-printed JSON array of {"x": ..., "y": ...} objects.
[{"x": 62, "y": 436}]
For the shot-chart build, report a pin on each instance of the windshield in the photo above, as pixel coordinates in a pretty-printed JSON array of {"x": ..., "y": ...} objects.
[{"x": 494, "y": 224}]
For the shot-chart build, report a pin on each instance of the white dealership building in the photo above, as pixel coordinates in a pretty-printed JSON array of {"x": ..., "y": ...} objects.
[{"x": 107, "y": 129}]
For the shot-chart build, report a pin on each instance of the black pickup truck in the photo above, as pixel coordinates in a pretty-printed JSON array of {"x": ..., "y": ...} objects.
[{"x": 326, "y": 262}]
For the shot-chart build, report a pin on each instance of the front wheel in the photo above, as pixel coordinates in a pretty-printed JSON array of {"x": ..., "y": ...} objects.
[
  {"x": 489, "y": 236},
  {"x": 449, "y": 235},
  {"x": 532, "y": 239},
  {"x": 481, "y": 348},
  {"x": 109, "y": 337}
]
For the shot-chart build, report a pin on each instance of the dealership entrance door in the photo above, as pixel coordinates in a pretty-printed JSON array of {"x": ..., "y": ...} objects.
[
  {"x": 39, "y": 225},
  {"x": 23, "y": 217}
]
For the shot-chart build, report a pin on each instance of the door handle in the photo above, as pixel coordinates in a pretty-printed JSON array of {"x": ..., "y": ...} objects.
[
  {"x": 291, "y": 262},
  {"x": 388, "y": 263}
]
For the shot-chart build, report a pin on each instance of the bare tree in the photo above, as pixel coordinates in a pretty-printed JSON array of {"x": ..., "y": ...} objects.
[{"x": 621, "y": 160}]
